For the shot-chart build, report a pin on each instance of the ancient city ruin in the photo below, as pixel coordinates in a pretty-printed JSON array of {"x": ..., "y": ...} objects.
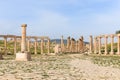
[{"x": 72, "y": 46}]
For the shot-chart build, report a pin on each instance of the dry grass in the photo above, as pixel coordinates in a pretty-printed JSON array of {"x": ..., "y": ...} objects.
[{"x": 62, "y": 67}]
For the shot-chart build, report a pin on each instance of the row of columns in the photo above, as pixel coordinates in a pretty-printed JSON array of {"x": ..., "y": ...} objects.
[
  {"x": 72, "y": 45},
  {"x": 97, "y": 44},
  {"x": 23, "y": 46}
]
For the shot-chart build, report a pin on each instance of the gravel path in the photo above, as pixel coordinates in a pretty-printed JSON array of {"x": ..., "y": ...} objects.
[{"x": 90, "y": 71}]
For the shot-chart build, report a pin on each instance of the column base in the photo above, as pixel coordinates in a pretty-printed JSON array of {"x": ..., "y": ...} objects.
[{"x": 23, "y": 56}]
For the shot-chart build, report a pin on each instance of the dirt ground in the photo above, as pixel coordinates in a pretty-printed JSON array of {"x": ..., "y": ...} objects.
[{"x": 62, "y": 67}]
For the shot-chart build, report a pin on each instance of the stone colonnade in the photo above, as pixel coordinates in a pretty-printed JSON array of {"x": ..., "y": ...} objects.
[
  {"x": 72, "y": 45},
  {"x": 26, "y": 47},
  {"x": 95, "y": 46}
]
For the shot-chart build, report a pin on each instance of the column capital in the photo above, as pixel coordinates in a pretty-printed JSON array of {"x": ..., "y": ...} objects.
[{"x": 24, "y": 25}]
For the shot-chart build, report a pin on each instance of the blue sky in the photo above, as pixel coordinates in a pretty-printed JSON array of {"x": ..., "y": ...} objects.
[{"x": 60, "y": 17}]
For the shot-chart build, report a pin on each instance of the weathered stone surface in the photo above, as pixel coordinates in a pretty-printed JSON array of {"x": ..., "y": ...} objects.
[
  {"x": 23, "y": 56},
  {"x": 57, "y": 48}
]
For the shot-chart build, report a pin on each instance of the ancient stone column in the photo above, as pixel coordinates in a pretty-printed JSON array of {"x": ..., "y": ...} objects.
[
  {"x": 68, "y": 43},
  {"x": 23, "y": 42},
  {"x": 28, "y": 44},
  {"x": 106, "y": 37},
  {"x": 62, "y": 44},
  {"x": 35, "y": 45},
  {"x": 81, "y": 44},
  {"x": 15, "y": 45},
  {"x": 99, "y": 44},
  {"x": 48, "y": 46},
  {"x": 112, "y": 42},
  {"x": 91, "y": 44},
  {"x": 23, "y": 55},
  {"x": 118, "y": 50},
  {"x": 42, "y": 43},
  {"x": 5, "y": 45},
  {"x": 95, "y": 45},
  {"x": 72, "y": 45}
]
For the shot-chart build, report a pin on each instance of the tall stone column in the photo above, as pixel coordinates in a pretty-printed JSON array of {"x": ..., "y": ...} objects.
[
  {"x": 91, "y": 44},
  {"x": 42, "y": 42},
  {"x": 99, "y": 44},
  {"x": 106, "y": 37},
  {"x": 35, "y": 45},
  {"x": 5, "y": 45},
  {"x": 28, "y": 44},
  {"x": 118, "y": 50},
  {"x": 23, "y": 42},
  {"x": 68, "y": 43},
  {"x": 62, "y": 44},
  {"x": 15, "y": 45},
  {"x": 48, "y": 46},
  {"x": 23, "y": 55},
  {"x": 112, "y": 42},
  {"x": 95, "y": 45}
]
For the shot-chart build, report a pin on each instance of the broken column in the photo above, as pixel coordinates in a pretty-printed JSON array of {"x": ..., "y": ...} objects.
[{"x": 23, "y": 55}]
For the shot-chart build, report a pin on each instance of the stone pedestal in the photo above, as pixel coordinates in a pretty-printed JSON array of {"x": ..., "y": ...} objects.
[{"x": 23, "y": 56}]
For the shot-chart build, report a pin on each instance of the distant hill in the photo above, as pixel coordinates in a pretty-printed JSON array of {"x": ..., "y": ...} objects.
[{"x": 58, "y": 41}]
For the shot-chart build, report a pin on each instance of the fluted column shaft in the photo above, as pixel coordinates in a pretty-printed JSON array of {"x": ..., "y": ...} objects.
[{"x": 23, "y": 42}]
